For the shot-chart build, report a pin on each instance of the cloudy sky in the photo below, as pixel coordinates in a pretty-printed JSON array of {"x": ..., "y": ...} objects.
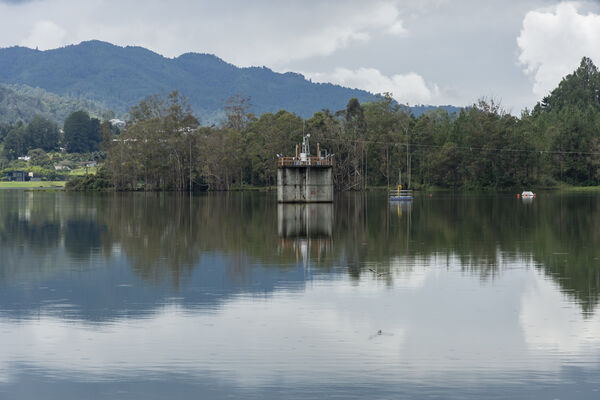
[{"x": 422, "y": 51}]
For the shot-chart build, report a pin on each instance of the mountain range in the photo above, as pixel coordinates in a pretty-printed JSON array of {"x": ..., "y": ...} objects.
[{"x": 114, "y": 77}]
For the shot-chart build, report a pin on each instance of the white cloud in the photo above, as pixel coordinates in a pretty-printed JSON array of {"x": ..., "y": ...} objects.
[
  {"x": 434, "y": 38},
  {"x": 405, "y": 88},
  {"x": 553, "y": 41},
  {"x": 45, "y": 35},
  {"x": 396, "y": 29},
  {"x": 266, "y": 33}
]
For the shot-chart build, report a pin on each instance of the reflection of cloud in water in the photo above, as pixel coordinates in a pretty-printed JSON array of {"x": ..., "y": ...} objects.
[
  {"x": 249, "y": 341},
  {"x": 399, "y": 272},
  {"x": 440, "y": 326},
  {"x": 412, "y": 272},
  {"x": 553, "y": 324}
]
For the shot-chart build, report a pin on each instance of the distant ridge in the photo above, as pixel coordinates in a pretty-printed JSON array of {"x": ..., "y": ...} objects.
[
  {"x": 22, "y": 103},
  {"x": 118, "y": 77}
]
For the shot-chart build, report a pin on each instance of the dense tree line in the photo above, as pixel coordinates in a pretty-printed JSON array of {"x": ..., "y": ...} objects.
[
  {"x": 81, "y": 134},
  {"x": 165, "y": 148},
  {"x": 177, "y": 231},
  {"x": 40, "y": 133}
]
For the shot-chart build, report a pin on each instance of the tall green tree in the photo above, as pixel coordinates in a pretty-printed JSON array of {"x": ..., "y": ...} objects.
[
  {"x": 268, "y": 136},
  {"x": 14, "y": 142},
  {"x": 356, "y": 129},
  {"x": 43, "y": 134},
  {"x": 156, "y": 150},
  {"x": 82, "y": 133},
  {"x": 579, "y": 89}
]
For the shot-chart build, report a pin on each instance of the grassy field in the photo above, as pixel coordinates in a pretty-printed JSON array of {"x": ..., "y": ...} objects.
[
  {"x": 32, "y": 185},
  {"x": 569, "y": 188},
  {"x": 82, "y": 171}
]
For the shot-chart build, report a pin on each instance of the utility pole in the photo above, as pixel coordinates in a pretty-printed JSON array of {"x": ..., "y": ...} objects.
[
  {"x": 407, "y": 154},
  {"x": 407, "y": 170},
  {"x": 190, "y": 144}
]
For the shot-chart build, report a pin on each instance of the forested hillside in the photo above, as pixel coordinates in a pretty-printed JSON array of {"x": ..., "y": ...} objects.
[
  {"x": 120, "y": 77},
  {"x": 23, "y": 103}
]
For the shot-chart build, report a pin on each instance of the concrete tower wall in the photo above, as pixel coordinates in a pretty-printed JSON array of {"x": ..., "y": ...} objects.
[{"x": 304, "y": 184}]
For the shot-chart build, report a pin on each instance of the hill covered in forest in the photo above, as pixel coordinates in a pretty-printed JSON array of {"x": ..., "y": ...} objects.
[
  {"x": 23, "y": 103},
  {"x": 119, "y": 77}
]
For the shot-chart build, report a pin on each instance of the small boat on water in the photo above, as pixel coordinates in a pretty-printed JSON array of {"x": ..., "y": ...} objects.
[{"x": 527, "y": 195}]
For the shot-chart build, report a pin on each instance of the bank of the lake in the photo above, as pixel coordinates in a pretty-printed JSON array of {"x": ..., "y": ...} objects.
[
  {"x": 96, "y": 182},
  {"x": 590, "y": 189},
  {"x": 33, "y": 185}
]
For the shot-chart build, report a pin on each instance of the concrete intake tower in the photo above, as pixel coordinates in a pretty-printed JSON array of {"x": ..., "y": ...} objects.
[{"x": 305, "y": 178}]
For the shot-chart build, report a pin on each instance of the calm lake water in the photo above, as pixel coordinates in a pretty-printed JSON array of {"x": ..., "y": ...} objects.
[{"x": 135, "y": 296}]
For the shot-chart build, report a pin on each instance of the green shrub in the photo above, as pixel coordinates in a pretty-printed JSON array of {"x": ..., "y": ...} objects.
[{"x": 91, "y": 182}]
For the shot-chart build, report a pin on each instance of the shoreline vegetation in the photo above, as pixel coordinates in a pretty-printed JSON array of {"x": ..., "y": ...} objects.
[
  {"x": 42, "y": 185},
  {"x": 379, "y": 144},
  {"x": 60, "y": 185},
  {"x": 163, "y": 147}
]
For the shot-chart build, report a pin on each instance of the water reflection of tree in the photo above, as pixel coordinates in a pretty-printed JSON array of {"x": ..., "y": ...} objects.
[
  {"x": 155, "y": 233},
  {"x": 165, "y": 236},
  {"x": 29, "y": 224},
  {"x": 26, "y": 227},
  {"x": 82, "y": 237},
  {"x": 567, "y": 246},
  {"x": 557, "y": 232},
  {"x": 483, "y": 232}
]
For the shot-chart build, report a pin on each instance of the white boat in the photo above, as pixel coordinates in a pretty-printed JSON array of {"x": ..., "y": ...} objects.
[{"x": 527, "y": 195}]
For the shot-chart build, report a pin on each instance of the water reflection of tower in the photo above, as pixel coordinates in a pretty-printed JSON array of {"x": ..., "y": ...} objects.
[
  {"x": 305, "y": 229},
  {"x": 403, "y": 210}
]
